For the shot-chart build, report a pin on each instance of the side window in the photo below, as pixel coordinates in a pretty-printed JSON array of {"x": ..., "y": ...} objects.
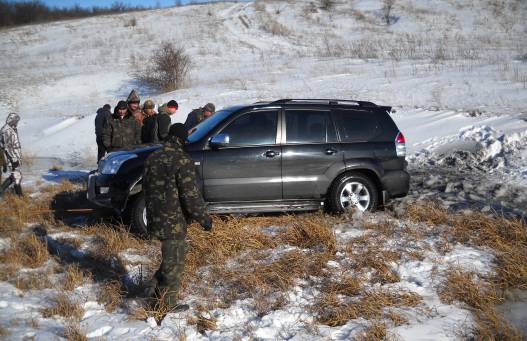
[
  {"x": 255, "y": 128},
  {"x": 308, "y": 126},
  {"x": 356, "y": 126}
]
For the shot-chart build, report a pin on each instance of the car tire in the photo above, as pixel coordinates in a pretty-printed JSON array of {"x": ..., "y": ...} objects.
[
  {"x": 353, "y": 190},
  {"x": 137, "y": 215}
]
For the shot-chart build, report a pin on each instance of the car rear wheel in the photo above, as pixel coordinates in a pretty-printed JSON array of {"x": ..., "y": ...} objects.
[
  {"x": 353, "y": 190},
  {"x": 138, "y": 215}
]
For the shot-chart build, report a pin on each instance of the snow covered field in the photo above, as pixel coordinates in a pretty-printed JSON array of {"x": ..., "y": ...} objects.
[{"x": 454, "y": 71}]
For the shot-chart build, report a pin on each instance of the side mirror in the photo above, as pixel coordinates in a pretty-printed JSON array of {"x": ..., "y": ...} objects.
[{"x": 220, "y": 140}]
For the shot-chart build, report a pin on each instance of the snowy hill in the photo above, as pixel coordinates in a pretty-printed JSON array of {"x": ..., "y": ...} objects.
[{"x": 444, "y": 55}]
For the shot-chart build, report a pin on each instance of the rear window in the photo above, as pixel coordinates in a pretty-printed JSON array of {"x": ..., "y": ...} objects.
[{"x": 356, "y": 126}]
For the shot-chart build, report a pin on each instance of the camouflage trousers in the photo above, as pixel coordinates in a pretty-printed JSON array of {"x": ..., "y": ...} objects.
[{"x": 168, "y": 276}]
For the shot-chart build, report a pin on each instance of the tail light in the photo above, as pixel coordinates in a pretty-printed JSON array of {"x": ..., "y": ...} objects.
[{"x": 400, "y": 145}]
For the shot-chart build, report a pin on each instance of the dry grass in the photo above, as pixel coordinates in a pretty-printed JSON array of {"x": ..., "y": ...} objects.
[
  {"x": 27, "y": 250},
  {"x": 506, "y": 236},
  {"x": 374, "y": 332},
  {"x": 203, "y": 321},
  {"x": 334, "y": 311},
  {"x": 16, "y": 212},
  {"x": 481, "y": 297},
  {"x": 111, "y": 295},
  {"x": 74, "y": 277},
  {"x": 73, "y": 332},
  {"x": 109, "y": 241},
  {"x": 65, "y": 307},
  {"x": 368, "y": 253},
  {"x": 398, "y": 319}
]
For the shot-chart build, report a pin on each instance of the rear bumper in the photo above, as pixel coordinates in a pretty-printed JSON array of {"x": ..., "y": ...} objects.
[{"x": 396, "y": 183}]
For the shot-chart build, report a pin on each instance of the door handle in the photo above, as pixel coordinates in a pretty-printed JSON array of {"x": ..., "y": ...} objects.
[
  {"x": 271, "y": 153},
  {"x": 330, "y": 151}
]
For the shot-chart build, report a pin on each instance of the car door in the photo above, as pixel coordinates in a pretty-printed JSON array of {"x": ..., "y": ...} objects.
[
  {"x": 310, "y": 153},
  {"x": 248, "y": 168}
]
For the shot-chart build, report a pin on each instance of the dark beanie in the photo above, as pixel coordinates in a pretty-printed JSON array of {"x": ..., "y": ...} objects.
[
  {"x": 106, "y": 107},
  {"x": 173, "y": 104},
  {"x": 178, "y": 130},
  {"x": 122, "y": 105}
]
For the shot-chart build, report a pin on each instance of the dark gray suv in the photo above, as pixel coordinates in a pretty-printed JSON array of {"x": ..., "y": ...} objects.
[{"x": 286, "y": 155}]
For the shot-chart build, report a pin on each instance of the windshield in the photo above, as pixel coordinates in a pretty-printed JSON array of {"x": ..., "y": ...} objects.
[{"x": 207, "y": 125}]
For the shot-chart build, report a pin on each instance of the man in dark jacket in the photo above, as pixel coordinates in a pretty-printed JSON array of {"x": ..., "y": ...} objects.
[
  {"x": 198, "y": 115},
  {"x": 149, "y": 131},
  {"x": 163, "y": 118},
  {"x": 121, "y": 130},
  {"x": 103, "y": 114},
  {"x": 172, "y": 198}
]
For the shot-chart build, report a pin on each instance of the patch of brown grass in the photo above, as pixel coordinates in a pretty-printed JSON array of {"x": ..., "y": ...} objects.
[
  {"x": 374, "y": 332},
  {"x": 3, "y": 331},
  {"x": 73, "y": 242},
  {"x": 74, "y": 277},
  {"x": 27, "y": 250},
  {"x": 334, "y": 311},
  {"x": 109, "y": 241},
  {"x": 506, "y": 236},
  {"x": 111, "y": 295},
  {"x": 345, "y": 285},
  {"x": 74, "y": 332},
  {"x": 65, "y": 307},
  {"x": 310, "y": 232},
  {"x": 481, "y": 297},
  {"x": 429, "y": 213},
  {"x": 203, "y": 322},
  {"x": 369, "y": 253},
  {"x": 397, "y": 318},
  {"x": 16, "y": 212}
]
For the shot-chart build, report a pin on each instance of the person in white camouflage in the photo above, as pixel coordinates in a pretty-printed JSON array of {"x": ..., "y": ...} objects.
[{"x": 11, "y": 150}]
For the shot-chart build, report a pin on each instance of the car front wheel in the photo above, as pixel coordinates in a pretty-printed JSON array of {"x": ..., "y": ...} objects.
[
  {"x": 353, "y": 190},
  {"x": 138, "y": 215}
]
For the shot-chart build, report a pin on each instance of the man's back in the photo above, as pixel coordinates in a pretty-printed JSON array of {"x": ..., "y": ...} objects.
[
  {"x": 169, "y": 177},
  {"x": 101, "y": 117}
]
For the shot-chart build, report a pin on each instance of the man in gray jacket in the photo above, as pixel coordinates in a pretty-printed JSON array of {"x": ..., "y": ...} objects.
[{"x": 10, "y": 147}]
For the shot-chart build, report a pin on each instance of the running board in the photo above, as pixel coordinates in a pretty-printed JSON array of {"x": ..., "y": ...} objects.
[{"x": 262, "y": 207}]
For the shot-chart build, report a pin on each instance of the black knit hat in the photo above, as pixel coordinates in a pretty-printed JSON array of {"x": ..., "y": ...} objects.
[
  {"x": 178, "y": 130},
  {"x": 172, "y": 103},
  {"x": 121, "y": 105}
]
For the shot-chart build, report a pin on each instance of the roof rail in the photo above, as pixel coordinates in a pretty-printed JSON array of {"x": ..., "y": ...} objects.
[{"x": 325, "y": 101}]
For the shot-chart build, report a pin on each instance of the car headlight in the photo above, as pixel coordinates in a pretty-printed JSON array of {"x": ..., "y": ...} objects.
[{"x": 112, "y": 163}]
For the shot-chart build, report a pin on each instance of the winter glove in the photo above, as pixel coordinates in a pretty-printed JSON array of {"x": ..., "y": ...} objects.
[
  {"x": 207, "y": 226},
  {"x": 15, "y": 165}
]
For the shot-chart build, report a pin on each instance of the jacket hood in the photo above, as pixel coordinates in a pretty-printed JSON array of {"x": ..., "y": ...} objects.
[
  {"x": 12, "y": 119},
  {"x": 133, "y": 97}
]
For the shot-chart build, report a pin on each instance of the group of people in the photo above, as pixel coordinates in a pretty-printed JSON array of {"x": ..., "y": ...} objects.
[{"x": 132, "y": 124}]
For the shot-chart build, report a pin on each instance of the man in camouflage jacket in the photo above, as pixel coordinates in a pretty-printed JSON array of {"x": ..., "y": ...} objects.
[
  {"x": 11, "y": 150},
  {"x": 172, "y": 198},
  {"x": 121, "y": 130}
]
